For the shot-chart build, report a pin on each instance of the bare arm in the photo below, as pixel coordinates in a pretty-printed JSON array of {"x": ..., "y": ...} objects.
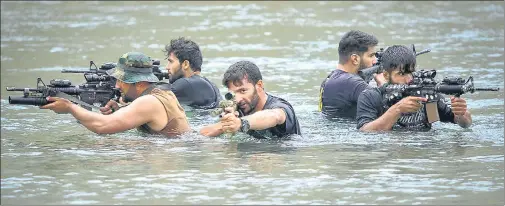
[
  {"x": 139, "y": 112},
  {"x": 391, "y": 116},
  {"x": 461, "y": 114},
  {"x": 265, "y": 119},
  {"x": 465, "y": 120},
  {"x": 384, "y": 122},
  {"x": 257, "y": 121},
  {"x": 212, "y": 130}
]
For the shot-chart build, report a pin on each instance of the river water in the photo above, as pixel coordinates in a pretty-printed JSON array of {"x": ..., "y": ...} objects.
[{"x": 48, "y": 158}]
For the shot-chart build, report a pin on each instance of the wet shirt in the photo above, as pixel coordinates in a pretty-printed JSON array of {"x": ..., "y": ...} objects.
[
  {"x": 197, "y": 92},
  {"x": 290, "y": 126},
  {"x": 339, "y": 94},
  {"x": 177, "y": 123},
  {"x": 371, "y": 106}
]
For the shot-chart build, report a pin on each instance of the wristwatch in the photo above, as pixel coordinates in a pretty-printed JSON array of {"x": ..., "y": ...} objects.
[{"x": 244, "y": 125}]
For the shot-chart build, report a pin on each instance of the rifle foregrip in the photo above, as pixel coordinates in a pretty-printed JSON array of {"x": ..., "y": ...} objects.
[
  {"x": 36, "y": 101},
  {"x": 451, "y": 89}
]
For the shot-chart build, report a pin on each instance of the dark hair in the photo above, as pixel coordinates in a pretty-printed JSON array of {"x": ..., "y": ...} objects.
[
  {"x": 240, "y": 70},
  {"x": 354, "y": 42},
  {"x": 399, "y": 57},
  {"x": 185, "y": 49}
]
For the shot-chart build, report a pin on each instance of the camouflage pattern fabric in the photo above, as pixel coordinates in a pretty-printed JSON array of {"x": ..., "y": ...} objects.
[{"x": 134, "y": 67}]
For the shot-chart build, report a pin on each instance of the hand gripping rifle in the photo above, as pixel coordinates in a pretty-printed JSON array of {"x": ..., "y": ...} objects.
[
  {"x": 367, "y": 74},
  {"x": 229, "y": 101}
]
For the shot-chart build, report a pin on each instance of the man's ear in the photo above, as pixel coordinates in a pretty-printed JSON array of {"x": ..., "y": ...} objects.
[
  {"x": 355, "y": 59},
  {"x": 259, "y": 84},
  {"x": 185, "y": 65},
  {"x": 139, "y": 85}
]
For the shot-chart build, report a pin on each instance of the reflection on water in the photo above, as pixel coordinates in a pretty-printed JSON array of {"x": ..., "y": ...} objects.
[{"x": 52, "y": 159}]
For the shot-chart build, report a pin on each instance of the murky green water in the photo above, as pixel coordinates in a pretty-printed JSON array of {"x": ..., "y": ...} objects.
[{"x": 50, "y": 159}]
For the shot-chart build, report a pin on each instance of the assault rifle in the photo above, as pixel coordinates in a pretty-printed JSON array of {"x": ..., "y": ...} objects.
[
  {"x": 424, "y": 85},
  {"x": 86, "y": 97},
  {"x": 367, "y": 74}
]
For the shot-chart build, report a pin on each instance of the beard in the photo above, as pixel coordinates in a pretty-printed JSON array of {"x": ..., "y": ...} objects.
[
  {"x": 251, "y": 105},
  {"x": 130, "y": 95},
  {"x": 178, "y": 74},
  {"x": 362, "y": 66},
  {"x": 127, "y": 99}
]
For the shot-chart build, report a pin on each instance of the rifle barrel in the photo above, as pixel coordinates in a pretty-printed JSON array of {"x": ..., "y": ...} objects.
[
  {"x": 22, "y": 89},
  {"x": 423, "y": 51},
  {"x": 81, "y": 71},
  {"x": 68, "y": 90},
  {"x": 487, "y": 89}
]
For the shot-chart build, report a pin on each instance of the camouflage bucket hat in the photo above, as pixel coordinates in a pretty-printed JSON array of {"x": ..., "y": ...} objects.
[{"x": 134, "y": 67}]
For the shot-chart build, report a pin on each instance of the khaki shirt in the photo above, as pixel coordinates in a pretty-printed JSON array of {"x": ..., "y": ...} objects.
[{"x": 177, "y": 121}]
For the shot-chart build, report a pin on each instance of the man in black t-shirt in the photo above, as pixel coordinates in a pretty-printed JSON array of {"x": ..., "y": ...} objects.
[
  {"x": 374, "y": 115},
  {"x": 339, "y": 92},
  {"x": 265, "y": 116},
  {"x": 184, "y": 66}
]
